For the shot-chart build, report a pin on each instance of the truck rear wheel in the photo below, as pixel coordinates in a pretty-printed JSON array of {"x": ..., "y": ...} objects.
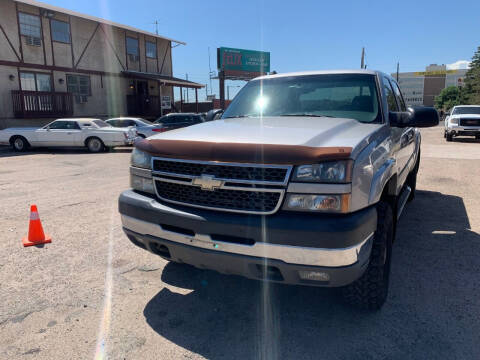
[{"x": 371, "y": 289}]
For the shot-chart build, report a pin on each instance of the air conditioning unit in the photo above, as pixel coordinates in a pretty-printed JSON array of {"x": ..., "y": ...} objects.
[
  {"x": 81, "y": 99},
  {"x": 132, "y": 57},
  {"x": 33, "y": 41}
]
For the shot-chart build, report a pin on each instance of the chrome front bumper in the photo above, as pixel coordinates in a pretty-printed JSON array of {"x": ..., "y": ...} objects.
[{"x": 287, "y": 253}]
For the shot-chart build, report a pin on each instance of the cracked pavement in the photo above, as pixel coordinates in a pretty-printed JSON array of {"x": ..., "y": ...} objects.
[{"x": 55, "y": 301}]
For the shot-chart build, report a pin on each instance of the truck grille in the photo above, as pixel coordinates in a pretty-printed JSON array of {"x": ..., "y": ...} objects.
[
  {"x": 245, "y": 201},
  {"x": 242, "y": 188},
  {"x": 231, "y": 172},
  {"x": 469, "y": 122}
]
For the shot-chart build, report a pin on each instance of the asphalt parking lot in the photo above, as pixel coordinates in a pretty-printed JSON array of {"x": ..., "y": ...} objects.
[{"x": 91, "y": 293}]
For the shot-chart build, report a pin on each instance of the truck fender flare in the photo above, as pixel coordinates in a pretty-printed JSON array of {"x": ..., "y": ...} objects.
[{"x": 381, "y": 177}]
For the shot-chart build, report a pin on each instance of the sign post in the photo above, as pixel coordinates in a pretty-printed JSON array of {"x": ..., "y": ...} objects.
[{"x": 240, "y": 64}]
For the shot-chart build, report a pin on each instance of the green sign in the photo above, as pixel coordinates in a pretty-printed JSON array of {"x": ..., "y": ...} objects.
[{"x": 243, "y": 60}]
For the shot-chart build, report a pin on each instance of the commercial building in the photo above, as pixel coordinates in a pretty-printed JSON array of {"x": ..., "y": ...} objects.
[
  {"x": 59, "y": 63},
  {"x": 420, "y": 88}
]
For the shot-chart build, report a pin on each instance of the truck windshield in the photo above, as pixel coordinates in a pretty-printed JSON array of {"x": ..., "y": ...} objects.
[
  {"x": 351, "y": 96},
  {"x": 464, "y": 110}
]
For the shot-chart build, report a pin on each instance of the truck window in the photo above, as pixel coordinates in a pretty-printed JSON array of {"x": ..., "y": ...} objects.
[
  {"x": 391, "y": 101},
  {"x": 352, "y": 96},
  {"x": 398, "y": 95}
]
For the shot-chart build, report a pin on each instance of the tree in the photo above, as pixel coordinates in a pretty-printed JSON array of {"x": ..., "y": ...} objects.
[
  {"x": 449, "y": 97},
  {"x": 472, "y": 81}
]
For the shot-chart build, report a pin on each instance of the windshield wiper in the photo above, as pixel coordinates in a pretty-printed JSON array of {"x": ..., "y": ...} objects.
[
  {"x": 306, "y": 114},
  {"x": 237, "y": 116}
]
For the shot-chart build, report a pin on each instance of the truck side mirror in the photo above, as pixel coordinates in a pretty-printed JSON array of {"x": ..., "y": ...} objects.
[{"x": 418, "y": 116}]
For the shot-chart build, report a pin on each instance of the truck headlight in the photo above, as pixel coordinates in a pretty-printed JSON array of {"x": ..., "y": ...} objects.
[
  {"x": 141, "y": 180},
  {"x": 325, "y": 172},
  {"x": 141, "y": 159},
  {"x": 453, "y": 121},
  {"x": 323, "y": 203}
]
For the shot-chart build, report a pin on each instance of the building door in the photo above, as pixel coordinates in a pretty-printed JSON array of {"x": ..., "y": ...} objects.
[{"x": 142, "y": 97}]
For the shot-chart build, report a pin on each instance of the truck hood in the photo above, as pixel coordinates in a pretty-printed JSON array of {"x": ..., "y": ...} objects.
[
  {"x": 282, "y": 130},
  {"x": 274, "y": 140}
]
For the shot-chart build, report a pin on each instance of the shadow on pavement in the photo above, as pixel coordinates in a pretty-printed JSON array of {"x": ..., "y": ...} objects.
[
  {"x": 6, "y": 151},
  {"x": 427, "y": 315}
]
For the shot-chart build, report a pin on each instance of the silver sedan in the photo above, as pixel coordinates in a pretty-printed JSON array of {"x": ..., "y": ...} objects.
[{"x": 144, "y": 127}]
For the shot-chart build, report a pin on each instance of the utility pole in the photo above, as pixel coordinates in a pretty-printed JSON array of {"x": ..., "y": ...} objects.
[
  {"x": 362, "y": 62},
  {"x": 206, "y": 91},
  {"x": 398, "y": 70},
  {"x": 210, "y": 71}
]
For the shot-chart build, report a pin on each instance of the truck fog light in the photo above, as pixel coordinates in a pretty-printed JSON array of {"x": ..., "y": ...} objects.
[
  {"x": 314, "y": 275},
  {"x": 142, "y": 184},
  {"x": 326, "y": 203}
]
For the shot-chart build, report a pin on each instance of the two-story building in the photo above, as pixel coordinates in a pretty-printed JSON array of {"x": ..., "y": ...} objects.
[{"x": 59, "y": 63}]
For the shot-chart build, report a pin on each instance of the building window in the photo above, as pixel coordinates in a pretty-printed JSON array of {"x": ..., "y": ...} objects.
[
  {"x": 132, "y": 49},
  {"x": 30, "y": 27},
  {"x": 151, "y": 49},
  {"x": 60, "y": 31},
  {"x": 79, "y": 86},
  {"x": 35, "y": 82}
]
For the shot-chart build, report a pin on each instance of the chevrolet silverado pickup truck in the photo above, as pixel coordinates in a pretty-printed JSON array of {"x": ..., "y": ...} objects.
[{"x": 301, "y": 181}]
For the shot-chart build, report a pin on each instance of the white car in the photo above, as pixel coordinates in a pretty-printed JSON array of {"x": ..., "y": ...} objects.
[
  {"x": 94, "y": 134},
  {"x": 144, "y": 128},
  {"x": 464, "y": 120}
]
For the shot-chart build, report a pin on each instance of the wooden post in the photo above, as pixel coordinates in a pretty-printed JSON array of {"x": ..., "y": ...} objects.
[
  {"x": 196, "y": 98},
  {"x": 221, "y": 79}
]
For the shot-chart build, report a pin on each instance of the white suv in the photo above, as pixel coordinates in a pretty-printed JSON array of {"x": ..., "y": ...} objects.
[{"x": 464, "y": 120}]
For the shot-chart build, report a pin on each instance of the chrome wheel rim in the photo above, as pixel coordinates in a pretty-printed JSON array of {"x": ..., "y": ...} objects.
[
  {"x": 94, "y": 145},
  {"x": 19, "y": 145}
]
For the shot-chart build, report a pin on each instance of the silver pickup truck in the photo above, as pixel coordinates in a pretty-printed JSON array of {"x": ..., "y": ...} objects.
[{"x": 301, "y": 181}]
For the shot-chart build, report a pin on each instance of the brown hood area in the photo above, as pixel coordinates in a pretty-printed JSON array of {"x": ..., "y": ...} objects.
[{"x": 242, "y": 152}]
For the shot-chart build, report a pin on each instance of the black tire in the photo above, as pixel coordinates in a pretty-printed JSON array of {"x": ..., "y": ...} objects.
[
  {"x": 370, "y": 291},
  {"x": 412, "y": 179},
  {"x": 19, "y": 143},
  {"x": 449, "y": 137},
  {"x": 94, "y": 145},
  {"x": 477, "y": 137}
]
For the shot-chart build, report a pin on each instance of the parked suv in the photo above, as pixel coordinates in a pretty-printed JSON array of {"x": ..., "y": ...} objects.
[
  {"x": 464, "y": 120},
  {"x": 302, "y": 181},
  {"x": 178, "y": 120}
]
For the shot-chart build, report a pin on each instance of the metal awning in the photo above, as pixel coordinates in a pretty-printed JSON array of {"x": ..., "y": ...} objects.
[{"x": 164, "y": 79}]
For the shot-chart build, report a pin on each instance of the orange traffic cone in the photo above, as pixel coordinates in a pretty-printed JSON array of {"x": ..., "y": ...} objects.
[{"x": 35, "y": 230}]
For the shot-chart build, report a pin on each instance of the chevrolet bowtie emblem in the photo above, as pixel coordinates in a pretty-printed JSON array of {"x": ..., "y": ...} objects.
[{"x": 207, "y": 182}]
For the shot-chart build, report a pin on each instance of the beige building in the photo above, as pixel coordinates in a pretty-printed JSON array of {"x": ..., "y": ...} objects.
[
  {"x": 421, "y": 87},
  {"x": 59, "y": 63}
]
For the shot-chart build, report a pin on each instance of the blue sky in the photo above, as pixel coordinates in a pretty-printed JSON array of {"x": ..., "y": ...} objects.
[{"x": 303, "y": 34}]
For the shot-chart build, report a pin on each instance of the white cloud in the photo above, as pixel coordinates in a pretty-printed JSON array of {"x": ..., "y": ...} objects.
[{"x": 460, "y": 64}]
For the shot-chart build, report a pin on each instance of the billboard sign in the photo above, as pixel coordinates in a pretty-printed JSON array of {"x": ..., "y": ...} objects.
[{"x": 241, "y": 60}]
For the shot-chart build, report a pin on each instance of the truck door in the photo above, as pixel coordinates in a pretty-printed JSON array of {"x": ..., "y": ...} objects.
[
  {"x": 408, "y": 134},
  {"x": 398, "y": 134}
]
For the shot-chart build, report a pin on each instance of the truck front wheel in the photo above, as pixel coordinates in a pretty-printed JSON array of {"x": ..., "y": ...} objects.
[{"x": 371, "y": 289}]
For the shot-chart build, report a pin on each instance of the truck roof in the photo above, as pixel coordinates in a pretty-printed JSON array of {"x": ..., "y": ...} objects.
[{"x": 320, "y": 72}]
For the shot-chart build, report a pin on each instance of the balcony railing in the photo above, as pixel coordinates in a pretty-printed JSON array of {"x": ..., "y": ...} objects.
[{"x": 30, "y": 104}]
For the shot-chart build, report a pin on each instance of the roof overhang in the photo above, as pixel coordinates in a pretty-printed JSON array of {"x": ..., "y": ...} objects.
[
  {"x": 164, "y": 79},
  {"x": 94, "y": 18}
]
